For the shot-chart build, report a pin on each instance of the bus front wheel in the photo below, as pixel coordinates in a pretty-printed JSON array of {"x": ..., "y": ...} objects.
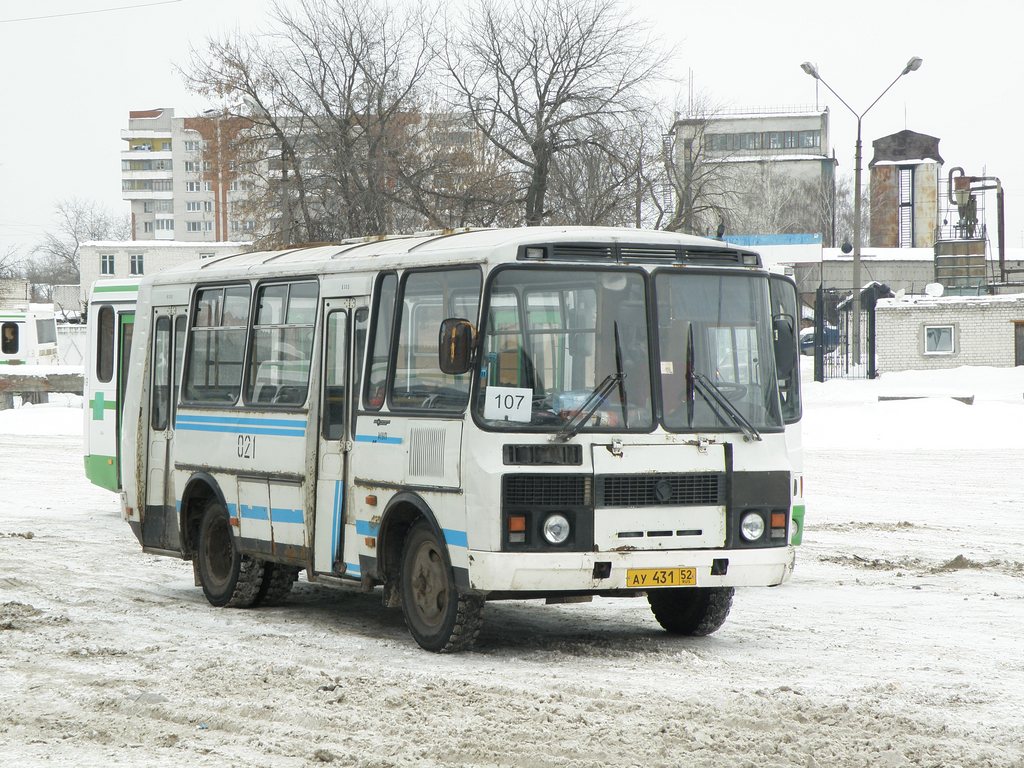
[
  {"x": 229, "y": 578},
  {"x": 695, "y": 611},
  {"x": 438, "y": 617}
]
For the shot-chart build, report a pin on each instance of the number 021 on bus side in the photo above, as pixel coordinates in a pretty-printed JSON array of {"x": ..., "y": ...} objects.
[{"x": 661, "y": 577}]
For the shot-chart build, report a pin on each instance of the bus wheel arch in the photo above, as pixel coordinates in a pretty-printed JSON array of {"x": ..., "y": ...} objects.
[
  {"x": 200, "y": 490},
  {"x": 441, "y": 617},
  {"x": 400, "y": 515}
]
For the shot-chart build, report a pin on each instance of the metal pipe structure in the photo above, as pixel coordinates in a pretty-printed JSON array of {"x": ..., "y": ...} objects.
[
  {"x": 969, "y": 184},
  {"x": 912, "y": 65}
]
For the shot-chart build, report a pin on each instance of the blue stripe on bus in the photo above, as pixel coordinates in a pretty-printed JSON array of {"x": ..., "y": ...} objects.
[
  {"x": 352, "y": 568},
  {"x": 275, "y": 515},
  {"x": 252, "y": 426},
  {"x": 455, "y": 538},
  {"x": 254, "y": 513},
  {"x": 366, "y": 528},
  {"x": 378, "y": 439},
  {"x": 280, "y": 515},
  {"x": 261, "y": 422},
  {"x": 240, "y": 429},
  {"x": 339, "y": 500}
]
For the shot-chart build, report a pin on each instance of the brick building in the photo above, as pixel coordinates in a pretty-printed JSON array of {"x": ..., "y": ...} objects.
[{"x": 922, "y": 333}]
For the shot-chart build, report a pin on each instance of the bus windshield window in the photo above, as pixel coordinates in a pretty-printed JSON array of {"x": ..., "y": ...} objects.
[
  {"x": 715, "y": 342},
  {"x": 560, "y": 341}
]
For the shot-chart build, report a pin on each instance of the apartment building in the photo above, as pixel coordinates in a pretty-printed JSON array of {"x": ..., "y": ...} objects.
[
  {"x": 181, "y": 179},
  {"x": 738, "y": 165}
]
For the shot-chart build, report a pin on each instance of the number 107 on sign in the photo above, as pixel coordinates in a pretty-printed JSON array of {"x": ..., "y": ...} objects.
[{"x": 508, "y": 404}]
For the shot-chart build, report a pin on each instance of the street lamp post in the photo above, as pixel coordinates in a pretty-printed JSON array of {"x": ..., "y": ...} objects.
[{"x": 912, "y": 65}]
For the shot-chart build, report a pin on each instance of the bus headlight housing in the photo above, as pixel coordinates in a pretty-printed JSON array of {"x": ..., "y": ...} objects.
[
  {"x": 556, "y": 528},
  {"x": 752, "y": 526}
]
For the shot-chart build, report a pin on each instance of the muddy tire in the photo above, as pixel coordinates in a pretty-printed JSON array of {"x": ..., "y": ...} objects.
[
  {"x": 229, "y": 578},
  {"x": 695, "y": 612},
  {"x": 438, "y": 617},
  {"x": 277, "y": 583}
]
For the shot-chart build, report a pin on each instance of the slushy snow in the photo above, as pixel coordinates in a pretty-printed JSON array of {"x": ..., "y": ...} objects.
[{"x": 898, "y": 641}]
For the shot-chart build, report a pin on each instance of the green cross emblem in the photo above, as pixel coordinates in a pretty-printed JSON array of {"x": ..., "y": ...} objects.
[{"x": 99, "y": 405}]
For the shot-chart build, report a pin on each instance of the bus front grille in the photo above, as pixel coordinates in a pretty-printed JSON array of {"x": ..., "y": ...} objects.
[
  {"x": 546, "y": 490},
  {"x": 693, "y": 489}
]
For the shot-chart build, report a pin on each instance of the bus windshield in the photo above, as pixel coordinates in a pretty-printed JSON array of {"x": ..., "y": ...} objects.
[
  {"x": 566, "y": 350},
  {"x": 559, "y": 343},
  {"x": 715, "y": 354}
]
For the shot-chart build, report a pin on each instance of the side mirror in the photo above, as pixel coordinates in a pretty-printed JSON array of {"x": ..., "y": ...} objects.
[
  {"x": 455, "y": 346},
  {"x": 785, "y": 345}
]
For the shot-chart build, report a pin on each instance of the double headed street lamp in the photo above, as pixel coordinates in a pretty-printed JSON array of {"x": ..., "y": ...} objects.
[{"x": 912, "y": 65}]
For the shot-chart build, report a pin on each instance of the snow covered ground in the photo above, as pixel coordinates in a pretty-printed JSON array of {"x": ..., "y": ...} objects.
[{"x": 899, "y": 641}]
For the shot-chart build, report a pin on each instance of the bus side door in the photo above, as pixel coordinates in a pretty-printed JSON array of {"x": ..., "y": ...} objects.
[
  {"x": 160, "y": 529},
  {"x": 343, "y": 338}
]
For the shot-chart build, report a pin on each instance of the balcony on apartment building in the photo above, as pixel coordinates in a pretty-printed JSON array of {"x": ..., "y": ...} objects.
[{"x": 142, "y": 189}]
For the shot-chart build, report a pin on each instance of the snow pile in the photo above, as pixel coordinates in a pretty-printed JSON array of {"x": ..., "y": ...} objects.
[
  {"x": 917, "y": 409},
  {"x": 61, "y": 416}
]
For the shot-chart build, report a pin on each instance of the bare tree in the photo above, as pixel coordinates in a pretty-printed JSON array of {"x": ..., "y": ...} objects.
[
  {"x": 545, "y": 78},
  {"x": 700, "y": 178},
  {"x": 10, "y": 262},
  {"x": 11, "y": 267},
  {"x": 766, "y": 202},
  {"x": 343, "y": 134},
  {"x": 55, "y": 260}
]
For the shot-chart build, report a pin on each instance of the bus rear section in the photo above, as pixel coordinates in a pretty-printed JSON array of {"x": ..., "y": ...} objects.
[
  {"x": 111, "y": 320},
  {"x": 28, "y": 337}
]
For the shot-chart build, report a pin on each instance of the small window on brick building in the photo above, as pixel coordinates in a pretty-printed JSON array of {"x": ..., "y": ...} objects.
[{"x": 938, "y": 340}]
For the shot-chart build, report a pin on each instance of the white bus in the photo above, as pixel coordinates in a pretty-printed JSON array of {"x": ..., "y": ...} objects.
[
  {"x": 28, "y": 336},
  {"x": 460, "y": 417},
  {"x": 110, "y": 321}
]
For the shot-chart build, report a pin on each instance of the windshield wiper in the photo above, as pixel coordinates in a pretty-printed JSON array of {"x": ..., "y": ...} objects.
[
  {"x": 621, "y": 375},
  {"x": 717, "y": 399},
  {"x": 594, "y": 400}
]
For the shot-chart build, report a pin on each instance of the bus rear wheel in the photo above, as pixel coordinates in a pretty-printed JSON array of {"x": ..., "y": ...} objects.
[
  {"x": 696, "y": 611},
  {"x": 438, "y": 617},
  {"x": 229, "y": 578},
  {"x": 277, "y": 583}
]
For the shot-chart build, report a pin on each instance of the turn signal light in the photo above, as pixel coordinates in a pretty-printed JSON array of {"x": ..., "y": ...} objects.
[{"x": 517, "y": 523}]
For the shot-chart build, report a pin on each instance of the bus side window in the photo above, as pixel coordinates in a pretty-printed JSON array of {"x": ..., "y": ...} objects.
[
  {"x": 282, "y": 346},
  {"x": 428, "y": 297},
  {"x": 383, "y": 318},
  {"x": 105, "y": 344},
  {"x": 360, "y": 325},
  {"x": 179, "y": 356},
  {"x": 161, "y": 371},
  {"x": 10, "y": 339},
  {"x": 213, "y": 370},
  {"x": 335, "y": 375}
]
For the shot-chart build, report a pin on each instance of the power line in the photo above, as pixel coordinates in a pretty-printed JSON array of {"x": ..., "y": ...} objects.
[{"x": 85, "y": 13}]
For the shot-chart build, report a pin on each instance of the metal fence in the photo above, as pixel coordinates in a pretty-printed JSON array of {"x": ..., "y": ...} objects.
[{"x": 834, "y": 355}]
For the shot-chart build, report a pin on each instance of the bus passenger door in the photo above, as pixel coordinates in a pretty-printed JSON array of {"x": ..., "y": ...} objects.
[
  {"x": 160, "y": 528},
  {"x": 126, "y": 324},
  {"x": 343, "y": 336}
]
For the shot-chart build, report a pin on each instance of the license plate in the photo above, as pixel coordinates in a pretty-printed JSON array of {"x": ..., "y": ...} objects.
[{"x": 645, "y": 578}]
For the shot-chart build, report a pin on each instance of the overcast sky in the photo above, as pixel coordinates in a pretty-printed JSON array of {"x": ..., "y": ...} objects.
[{"x": 68, "y": 82}]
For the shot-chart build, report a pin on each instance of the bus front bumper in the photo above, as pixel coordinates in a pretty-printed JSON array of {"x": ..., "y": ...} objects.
[{"x": 586, "y": 571}]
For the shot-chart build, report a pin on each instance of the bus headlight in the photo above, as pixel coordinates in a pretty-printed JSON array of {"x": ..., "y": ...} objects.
[
  {"x": 752, "y": 526},
  {"x": 556, "y": 528}
]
